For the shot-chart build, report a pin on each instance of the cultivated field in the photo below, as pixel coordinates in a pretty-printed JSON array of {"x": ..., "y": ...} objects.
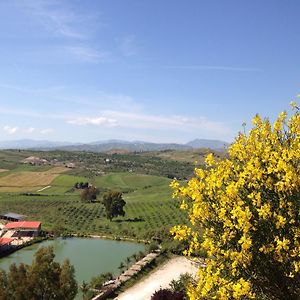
[
  {"x": 43, "y": 193},
  {"x": 28, "y": 181}
]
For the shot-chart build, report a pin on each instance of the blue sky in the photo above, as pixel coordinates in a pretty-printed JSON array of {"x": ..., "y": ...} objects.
[{"x": 160, "y": 71}]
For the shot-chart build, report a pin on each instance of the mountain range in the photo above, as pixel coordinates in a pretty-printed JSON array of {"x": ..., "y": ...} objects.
[{"x": 103, "y": 146}]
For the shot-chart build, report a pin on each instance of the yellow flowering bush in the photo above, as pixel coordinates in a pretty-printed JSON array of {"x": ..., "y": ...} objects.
[{"x": 244, "y": 212}]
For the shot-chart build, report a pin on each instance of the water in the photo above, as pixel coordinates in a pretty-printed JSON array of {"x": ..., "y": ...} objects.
[{"x": 90, "y": 257}]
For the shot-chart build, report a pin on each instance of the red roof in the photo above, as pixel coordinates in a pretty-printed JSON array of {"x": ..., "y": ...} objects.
[
  {"x": 23, "y": 224},
  {"x": 5, "y": 241}
]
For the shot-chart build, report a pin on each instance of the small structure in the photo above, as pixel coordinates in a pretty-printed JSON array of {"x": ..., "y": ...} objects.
[
  {"x": 34, "y": 160},
  {"x": 13, "y": 217},
  {"x": 24, "y": 228},
  {"x": 70, "y": 165},
  {"x": 5, "y": 244}
]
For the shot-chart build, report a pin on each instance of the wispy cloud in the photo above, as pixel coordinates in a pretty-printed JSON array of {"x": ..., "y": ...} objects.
[
  {"x": 55, "y": 17},
  {"x": 99, "y": 121},
  {"x": 29, "y": 130},
  {"x": 142, "y": 121},
  {"x": 30, "y": 113},
  {"x": 10, "y": 129},
  {"x": 87, "y": 54},
  {"x": 46, "y": 131},
  {"x": 212, "y": 68},
  {"x": 128, "y": 45}
]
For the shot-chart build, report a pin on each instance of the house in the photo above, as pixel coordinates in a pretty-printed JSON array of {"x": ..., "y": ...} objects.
[
  {"x": 34, "y": 160},
  {"x": 70, "y": 165},
  {"x": 24, "y": 228},
  {"x": 5, "y": 244}
]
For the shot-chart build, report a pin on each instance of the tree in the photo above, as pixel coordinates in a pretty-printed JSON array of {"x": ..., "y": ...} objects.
[
  {"x": 89, "y": 194},
  {"x": 114, "y": 204},
  {"x": 121, "y": 267},
  {"x": 4, "y": 291},
  {"x": 44, "y": 279},
  {"x": 98, "y": 281},
  {"x": 167, "y": 294},
  {"x": 244, "y": 212},
  {"x": 181, "y": 284},
  {"x": 85, "y": 287}
]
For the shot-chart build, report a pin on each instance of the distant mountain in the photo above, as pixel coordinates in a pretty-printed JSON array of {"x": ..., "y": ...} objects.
[
  {"x": 31, "y": 144},
  {"x": 211, "y": 144},
  {"x": 109, "y": 145},
  {"x": 136, "y": 146}
]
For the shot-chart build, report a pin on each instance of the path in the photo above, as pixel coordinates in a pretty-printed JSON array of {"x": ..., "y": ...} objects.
[
  {"x": 162, "y": 277},
  {"x": 44, "y": 188}
]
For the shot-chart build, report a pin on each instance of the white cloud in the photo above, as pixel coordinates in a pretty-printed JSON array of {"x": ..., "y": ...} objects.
[
  {"x": 10, "y": 129},
  {"x": 98, "y": 121},
  {"x": 46, "y": 131},
  {"x": 29, "y": 130},
  {"x": 141, "y": 121}
]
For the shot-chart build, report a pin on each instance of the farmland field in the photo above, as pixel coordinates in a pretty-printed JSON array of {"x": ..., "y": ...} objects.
[
  {"x": 45, "y": 194},
  {"x": 28, "y": 181}
]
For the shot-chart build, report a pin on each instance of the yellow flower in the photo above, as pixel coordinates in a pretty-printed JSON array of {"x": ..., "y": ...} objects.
[{"x": 209, "y": 160}]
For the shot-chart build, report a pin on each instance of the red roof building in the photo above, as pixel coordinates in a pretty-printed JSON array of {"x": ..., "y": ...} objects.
[
  {"x": 5, "y": 241},
  {"x": 28, "y": 225}
]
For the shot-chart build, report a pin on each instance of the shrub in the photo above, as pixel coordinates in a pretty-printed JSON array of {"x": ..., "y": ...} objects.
[
  {"x": 167, "y": 294},
  {"x": 248, "y": 208}
]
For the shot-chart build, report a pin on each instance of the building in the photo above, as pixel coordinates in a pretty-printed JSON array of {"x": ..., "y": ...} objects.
[
  {"x": 13, "y": 217},
  {"x": 24, "y": 228},
  {"x": 34, "y": 160},
  {"x": 5, "y": 244}
]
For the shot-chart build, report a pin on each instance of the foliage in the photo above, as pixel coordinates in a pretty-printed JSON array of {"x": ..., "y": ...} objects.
[
  {"x": 114, "y": 204},
  {"x": 167, "y": 294},
  {"x": 248, "y": 206},
  {"x": 152, "y": 247},
  {"x": 181, "y": 284},
  {"x": 85, "y": 289},
  {"x": 81, "y": 185},
  {"x": 44, "y": 279},
  {"x": 89, "y": 194},
  {"x": 97, "y": 281}
]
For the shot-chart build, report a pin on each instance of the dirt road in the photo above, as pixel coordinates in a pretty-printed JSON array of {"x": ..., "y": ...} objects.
[{"x": 172, "y": 269}]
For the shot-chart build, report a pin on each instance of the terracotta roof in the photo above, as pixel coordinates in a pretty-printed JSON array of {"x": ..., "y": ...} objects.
[
  {"x": 23, "y": 224},
  {"x": 5, "y": 241}
]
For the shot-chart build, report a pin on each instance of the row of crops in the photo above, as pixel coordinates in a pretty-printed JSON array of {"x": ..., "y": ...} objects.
[{"x": 66, "y": 210}]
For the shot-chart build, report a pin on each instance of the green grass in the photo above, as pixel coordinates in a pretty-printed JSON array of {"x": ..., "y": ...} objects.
[{"x": 129, "y": 181}]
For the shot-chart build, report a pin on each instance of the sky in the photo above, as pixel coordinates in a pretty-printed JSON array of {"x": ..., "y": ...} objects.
[{"x": 148, "y": 70}]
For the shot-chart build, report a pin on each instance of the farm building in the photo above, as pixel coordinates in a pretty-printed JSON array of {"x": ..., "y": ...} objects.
[
  {"x": 70, "y": 165},
  {"x": 24, "y": 228},
  {"x": 13, "y": 217},
  {"x": 33, "y": 160},
  {"x": 5, "y": 244}
]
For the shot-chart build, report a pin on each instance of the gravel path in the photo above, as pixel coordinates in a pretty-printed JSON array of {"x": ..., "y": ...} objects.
[{"x": 162, "y": 277}]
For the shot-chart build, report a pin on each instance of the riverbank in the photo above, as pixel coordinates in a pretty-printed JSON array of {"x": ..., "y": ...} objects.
[
  {"x": 15, "y": 248},
  {"x": 127, "y": 275}
]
